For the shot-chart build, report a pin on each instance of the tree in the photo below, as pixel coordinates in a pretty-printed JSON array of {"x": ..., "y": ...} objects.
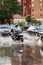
[
  {"x": 28, "y": 18},
  {"x": 8, "y": 8}
]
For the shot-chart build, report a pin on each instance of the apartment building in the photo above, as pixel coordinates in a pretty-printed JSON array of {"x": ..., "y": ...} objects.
[
  {"x": 37, "y": 9},
  {"x": 33, "y": 8},
  {"x": 26, "y": 7}
]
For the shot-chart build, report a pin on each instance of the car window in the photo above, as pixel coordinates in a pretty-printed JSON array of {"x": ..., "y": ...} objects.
[{"x": 39, "y": 28}]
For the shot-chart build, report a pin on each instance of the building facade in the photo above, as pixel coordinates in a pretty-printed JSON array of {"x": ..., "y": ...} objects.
[
  {"x": 26, "y": 7},
  {"x": 33, "y": 8},
  {"x": 37, "y": 9}
]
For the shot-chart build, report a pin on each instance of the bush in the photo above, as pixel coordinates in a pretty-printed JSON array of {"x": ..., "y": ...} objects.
[
  {"x": 33, "y": 20},
  {"x": 39, "y": 22},
  {"x": 28, "y": 18},
  {"x": 36, "y": 22},
  {"x": 22, "y": 23}
]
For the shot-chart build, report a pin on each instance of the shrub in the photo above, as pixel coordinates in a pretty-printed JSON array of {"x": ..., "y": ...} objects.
[
  {"x": 28, "y": 18},
  {"x": 33, "y": 20},
  {"x": 22, "y": 23}
]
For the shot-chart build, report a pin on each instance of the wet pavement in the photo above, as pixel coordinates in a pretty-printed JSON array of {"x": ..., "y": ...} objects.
[
  {"x": 28, "y": 39},
  {"x": 5, "y": 61},
  {"x": 34, "y": 44}
]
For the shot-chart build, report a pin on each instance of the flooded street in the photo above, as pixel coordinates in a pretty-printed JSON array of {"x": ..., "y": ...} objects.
[
  {"x": 13, "y": 52},
  {"x": 5, "y": 61}
]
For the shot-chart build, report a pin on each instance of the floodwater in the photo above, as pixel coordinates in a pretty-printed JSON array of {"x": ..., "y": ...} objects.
[
  {"x": 5, "y": 61},
  {"x": 7, "y": 43}
]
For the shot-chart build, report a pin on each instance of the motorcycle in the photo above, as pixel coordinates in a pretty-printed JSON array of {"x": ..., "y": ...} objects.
[{"x": 16, "y": 35}]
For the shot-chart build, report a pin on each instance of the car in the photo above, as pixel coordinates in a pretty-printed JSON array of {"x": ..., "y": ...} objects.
[
  {"x": 4, "y": 29},
  {"x": 16, "y": 28},
  {"x": 31, "y": 29},
  {"x": 12, "y": 26},
  {"x": 37, "y": 30}
]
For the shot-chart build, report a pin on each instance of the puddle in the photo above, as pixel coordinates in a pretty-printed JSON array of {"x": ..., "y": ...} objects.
[{"x": 5, "y": 61}]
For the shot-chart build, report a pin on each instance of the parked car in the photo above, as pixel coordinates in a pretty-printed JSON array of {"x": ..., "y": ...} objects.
[
  {"x": 37, "y": 30},
  {"x": 31, "y": 29},
  {"x": 4, "y": 29},
  {"x": 16, "y": 28}
]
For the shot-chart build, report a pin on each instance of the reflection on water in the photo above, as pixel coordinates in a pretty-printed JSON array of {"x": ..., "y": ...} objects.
[
  {"x": 5, "y": 61},
  {"x": 7, "y": 56},
  {"x": 4, "y": 56},
  {"x": 20, "y": 54}
]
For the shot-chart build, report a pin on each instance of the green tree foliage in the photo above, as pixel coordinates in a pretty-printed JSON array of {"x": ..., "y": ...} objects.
[
  {"x": 8, "y": 8},
  {"x": 33, "y": 20},
  {"x": 28, "y": 18}
]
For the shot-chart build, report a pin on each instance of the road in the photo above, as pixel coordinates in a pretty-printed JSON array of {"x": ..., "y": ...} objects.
[
  {"x": 5, "y": 61},
  {"x": 28, "y": 39},
  {"x": 7, "y": 41}
]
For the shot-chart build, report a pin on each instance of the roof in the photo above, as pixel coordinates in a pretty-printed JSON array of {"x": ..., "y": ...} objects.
[{"x": 17, "y": 16}]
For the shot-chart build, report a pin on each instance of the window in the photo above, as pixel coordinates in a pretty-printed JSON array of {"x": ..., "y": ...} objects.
[
  {"x": 40, "y": 9},
  {"x": 40, "y": 14},
  {"x": 41, "y": 4},
  {"x": 32, "y": 0},
  {"x": 40, "y": 0},
  {"x": 32, "y": 9},
  {"x": 32, "y": 5}
]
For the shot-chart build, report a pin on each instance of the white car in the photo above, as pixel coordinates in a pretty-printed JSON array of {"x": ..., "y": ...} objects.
[
  {"x": 37, "y": 30},
  {"x": 31, "y": 28},
  {"x": 4, "y": 29}
]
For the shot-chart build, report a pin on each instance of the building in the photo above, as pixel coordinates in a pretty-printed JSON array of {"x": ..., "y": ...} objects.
[
  {"x": 26, "y": 7},
  {"x": 33, "y": 8},
  {"x": 37, "y": 9},
  {"x": 19, "y": 1}
]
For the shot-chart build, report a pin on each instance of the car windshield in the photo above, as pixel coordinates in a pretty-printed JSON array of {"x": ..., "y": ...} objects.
[
  {"x": 4, "y": 27},
  {"x": 39, "y": 29}
]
